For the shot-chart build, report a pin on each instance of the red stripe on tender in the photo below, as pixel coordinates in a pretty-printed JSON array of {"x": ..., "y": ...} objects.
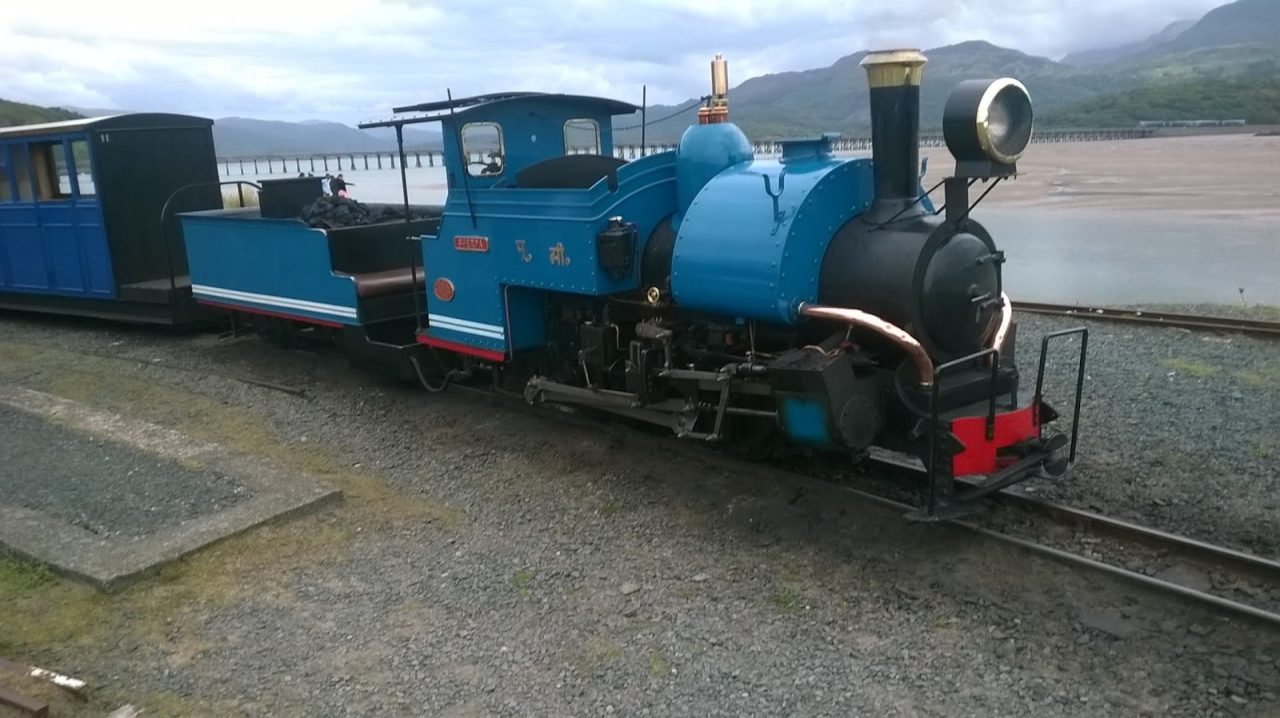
[
  {"x": 486, "y": 354},
  {"x": 979, "y": 455},
  {"x": 267, "y": 313}
]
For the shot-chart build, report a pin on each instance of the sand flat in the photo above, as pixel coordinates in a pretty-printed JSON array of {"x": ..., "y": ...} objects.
[{"x": 1235, "y": 174}]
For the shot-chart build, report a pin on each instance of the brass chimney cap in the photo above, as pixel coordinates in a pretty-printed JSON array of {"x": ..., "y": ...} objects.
[{"x": 894, "y": 68}]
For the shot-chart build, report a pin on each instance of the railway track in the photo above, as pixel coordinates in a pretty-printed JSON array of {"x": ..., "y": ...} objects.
[
  {"x": 1252, "y": 327},
  {"x": 1216, "y": 577},
  {"x": 1221, "y": 578}
]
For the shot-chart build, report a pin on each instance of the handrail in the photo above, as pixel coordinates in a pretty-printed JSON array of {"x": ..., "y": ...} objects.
[
  {"x": 164, "y": 214},
  {"x": 858, "y": 318},
  {"x": 1006, "y": 321}
]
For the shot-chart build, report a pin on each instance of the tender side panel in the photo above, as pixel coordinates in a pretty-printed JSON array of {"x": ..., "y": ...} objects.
[{"x": 274, "y": 267}]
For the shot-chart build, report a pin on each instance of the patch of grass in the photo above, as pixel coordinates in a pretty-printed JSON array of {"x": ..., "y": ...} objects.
[
  {"x": 1267, "y": 377},
  {"x": 19, "y": 577},
  {"x": 610, "y": 509},
  {"x": 787, "y": 599},
  {"x": 1260, "y": 451},
  {"x": 521, "y": 581},
  {"x": 165, "y": 703},
  {"x": 1190, "y": 367},
  {"x": 659, "y": 664},
  {"x": 1267, "y": 312},
  {"x": 37, "y": 610},
  {"x": 595, "y": 654}
]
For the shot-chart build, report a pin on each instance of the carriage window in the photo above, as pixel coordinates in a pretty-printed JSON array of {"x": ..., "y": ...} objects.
[
  {"x": 84, "y": 170},
  {"x": 6, "y": 189},
  {"x": 582, "y": 137},
  {"x": 50, "y": 163},
  {"x": 482, "y": 149},
  {"x": 21, "y": 167}
]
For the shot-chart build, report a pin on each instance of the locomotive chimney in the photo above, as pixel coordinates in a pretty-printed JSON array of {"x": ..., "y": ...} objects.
[{"x": 894, "y": 79}]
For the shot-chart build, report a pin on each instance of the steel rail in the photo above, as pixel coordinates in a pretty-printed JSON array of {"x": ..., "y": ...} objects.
[
  {"x": 1255, "y": 563},
  {"x": 1252, "y": 327},
  {"x": 1210, "y": 554}
]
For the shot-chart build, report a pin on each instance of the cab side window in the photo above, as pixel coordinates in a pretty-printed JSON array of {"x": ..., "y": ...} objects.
[
  {"x": 482, "y": 149},
  {"x": 582, "y": 137}
]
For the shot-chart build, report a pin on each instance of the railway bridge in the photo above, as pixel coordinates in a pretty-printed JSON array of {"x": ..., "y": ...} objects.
[{"x": 303, "y": 163}]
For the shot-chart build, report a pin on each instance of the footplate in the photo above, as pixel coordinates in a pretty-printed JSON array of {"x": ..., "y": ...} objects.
[{"x": 985, "y": 442}]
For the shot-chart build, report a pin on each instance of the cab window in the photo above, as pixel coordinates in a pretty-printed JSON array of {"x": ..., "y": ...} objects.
[
  {"x": 582, "y": 137},
  {"x": 482, "y": 149}
]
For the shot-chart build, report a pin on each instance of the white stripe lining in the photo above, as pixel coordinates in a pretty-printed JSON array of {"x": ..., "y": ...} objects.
[
  {"x": 286, "y": 302},
  {"x": 466, "y": 323},
  {"x": 467, "y": 330}
]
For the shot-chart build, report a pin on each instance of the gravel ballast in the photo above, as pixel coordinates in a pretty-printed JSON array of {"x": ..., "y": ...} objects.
[
  {"x": 495, "y": 561},
  {"x": 1178, "y": 429},
  {"x": 102, "y": 486}
]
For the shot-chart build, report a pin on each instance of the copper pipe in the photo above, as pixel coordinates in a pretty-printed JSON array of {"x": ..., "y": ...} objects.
[
  {"x": 1006, "y": 320},
  {"x": 856, "y": 318}
]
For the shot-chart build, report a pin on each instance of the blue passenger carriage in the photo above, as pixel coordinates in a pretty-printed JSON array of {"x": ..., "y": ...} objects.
[{"x": 80, "y": 206}]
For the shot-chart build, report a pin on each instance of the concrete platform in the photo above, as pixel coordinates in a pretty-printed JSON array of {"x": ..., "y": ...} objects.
[{"x": 107, "y": 499}]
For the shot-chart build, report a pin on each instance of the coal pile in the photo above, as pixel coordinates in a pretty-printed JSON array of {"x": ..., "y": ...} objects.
[{"x": 329, "y": 212}]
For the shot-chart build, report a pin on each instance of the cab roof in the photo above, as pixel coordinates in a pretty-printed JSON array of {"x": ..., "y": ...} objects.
[
  {"x": 461, "y": 107},
  {"x": 124, "y": 121}
]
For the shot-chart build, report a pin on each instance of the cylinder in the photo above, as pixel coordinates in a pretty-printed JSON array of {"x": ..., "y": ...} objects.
[{"x": 893, "y": 77}]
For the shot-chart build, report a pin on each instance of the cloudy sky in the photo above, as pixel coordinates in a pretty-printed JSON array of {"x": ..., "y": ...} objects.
[{"x": 350, "y": 60}]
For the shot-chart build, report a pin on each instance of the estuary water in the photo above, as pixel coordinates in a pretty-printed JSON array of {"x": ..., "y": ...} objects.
[{"x": 1075, "y": 256}]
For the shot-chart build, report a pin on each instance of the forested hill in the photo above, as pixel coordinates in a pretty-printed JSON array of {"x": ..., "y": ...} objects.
[{"x": 18, "y": 113}]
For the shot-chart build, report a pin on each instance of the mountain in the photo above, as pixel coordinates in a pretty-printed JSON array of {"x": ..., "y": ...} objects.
[
  {"x": 239, "y": 136},
  {"x": 1224, "y": 66},
  {"x": 1237, "y": 23},
  {"x": 1217, "y": 67},
  {"x": 835, "y": 98},
  {"x": 1084, "y": 58},
  {"x": 1254, "y": 99},
  {"x": 243, "y": 137},
  {"x": 19, "y": 113}
]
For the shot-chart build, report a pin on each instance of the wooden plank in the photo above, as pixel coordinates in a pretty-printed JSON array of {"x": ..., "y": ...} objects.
[{"x": 23, "y": 703}]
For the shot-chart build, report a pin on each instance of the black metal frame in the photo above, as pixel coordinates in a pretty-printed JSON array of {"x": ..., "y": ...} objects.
[
  {"x": 943, "y": 502},
  {"x": 1044, "y": 351},
  {"x": 946, "y": 481}
]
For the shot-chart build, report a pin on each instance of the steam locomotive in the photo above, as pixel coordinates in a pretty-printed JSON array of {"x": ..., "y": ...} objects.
[{"x": 804, "y": 301}]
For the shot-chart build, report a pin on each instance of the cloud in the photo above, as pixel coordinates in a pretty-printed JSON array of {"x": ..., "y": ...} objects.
[{"x": 354, "y": 60}]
